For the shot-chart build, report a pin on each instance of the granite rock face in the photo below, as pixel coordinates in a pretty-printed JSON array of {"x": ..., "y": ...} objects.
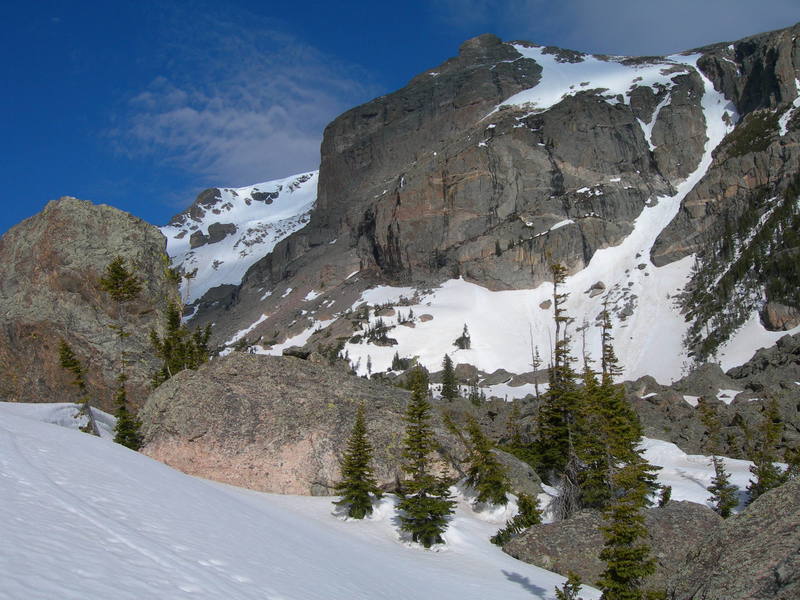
[
  {"x": 752, "y": 556},
  {"x": 276, "y": 424},
  {"x": 50, "y": 265},
  {"x": 575, "y": 544}
]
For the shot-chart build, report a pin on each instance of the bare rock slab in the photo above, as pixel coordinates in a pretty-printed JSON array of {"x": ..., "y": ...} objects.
[{"x": 276, "y": 424}]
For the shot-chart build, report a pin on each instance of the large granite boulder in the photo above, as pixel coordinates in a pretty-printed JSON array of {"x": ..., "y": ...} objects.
[
  {"x": 575, "y": 544},
  {"x": 752, "y": 556},
  {"x": 50, "y": 265},
  {"x": 277, "y": 424}
]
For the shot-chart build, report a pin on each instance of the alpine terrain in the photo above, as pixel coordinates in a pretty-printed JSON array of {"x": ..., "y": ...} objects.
[{"x": 531, "y": 330}]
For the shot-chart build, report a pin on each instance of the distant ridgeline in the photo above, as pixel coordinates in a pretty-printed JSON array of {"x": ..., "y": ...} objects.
[{"x": 754, "y": 262}]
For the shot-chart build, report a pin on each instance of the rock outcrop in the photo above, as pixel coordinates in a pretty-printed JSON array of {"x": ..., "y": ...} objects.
[
  {"x": 752, "y": 556},
  {"x": 280, "y": 424},
  {"x": 50, "y": 265},
  {"x": 770, "y": 375},
  {"x": 575, "y": 544}
]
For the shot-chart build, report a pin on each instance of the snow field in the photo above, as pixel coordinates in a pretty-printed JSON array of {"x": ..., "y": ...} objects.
[
  {"x": 88, "y": 519},
  {"x": 260, "y": 226}
]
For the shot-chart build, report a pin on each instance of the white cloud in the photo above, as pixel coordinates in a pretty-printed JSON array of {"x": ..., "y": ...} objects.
[{"x": 235, "y": 104}]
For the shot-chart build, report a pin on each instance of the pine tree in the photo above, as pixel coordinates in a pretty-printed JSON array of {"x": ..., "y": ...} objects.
[
  {"x": 425, "y": 500},
  {"x": 179, "y": 348},
  {"x": 127, "y": 428},
  {"x": 358, "y": 486},
  {"x": 122, "y": 286},
  {"x": 723, "y": 494},
  {"x": 557, "y": 410},
  {"x": 528, "y": 514},
  {"x": 464, "y": 341},
  {"x": 449, "y": 385},
  {"x": 767, "y": 474},
  {"x": 593, "y": 445},
  {"x": 70, "y": 362},
  {"x": 485, "y": 473},
  {"x": 625, "y": 551},
  {"x": 570, "y": 589}
]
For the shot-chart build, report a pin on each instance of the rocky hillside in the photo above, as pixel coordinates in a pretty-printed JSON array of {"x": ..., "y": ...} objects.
[
  {"x": 50, "y": 267},
  {"x": 510, "y": 156}
]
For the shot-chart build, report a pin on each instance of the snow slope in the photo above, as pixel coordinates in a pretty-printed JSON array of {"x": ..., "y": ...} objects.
[
  {"x": 284, "y": 208},
  {"x": 609, "y": 76},
  {"x": 85, "y": 519}
]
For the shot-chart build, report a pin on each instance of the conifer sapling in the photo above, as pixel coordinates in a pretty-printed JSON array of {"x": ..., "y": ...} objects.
[
  {"x": 358, "y": 486},
  {"x": 425, "y": 502}
]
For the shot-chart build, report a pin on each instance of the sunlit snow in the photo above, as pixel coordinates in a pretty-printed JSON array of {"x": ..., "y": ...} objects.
[{"x": 260, "y": 225}]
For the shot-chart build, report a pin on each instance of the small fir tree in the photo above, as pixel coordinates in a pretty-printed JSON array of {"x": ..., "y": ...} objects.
[
  {"x": 179, "y": 348},
  {"x": 449, "y": 385},
  {"x": 70, "y": 362},
  {"x": 425, "y": 502},
  {"x": 570, "y": 589},
  {"x": 358, "y": 486},
  {"x": 485, "y": 473},
  {"x": 562, "y": 399},
  {"x": 723, "y": 493},
  {"x": 464, "y": 341},
  {"x": 528, "y": 514},
  {"x": 625, "y": 552},
  {"x": 122, "y": 286},
  {"x": 767, "y": 474},
  {"x": 665, "y": 497},
  {"x": 128, "y": 426}
]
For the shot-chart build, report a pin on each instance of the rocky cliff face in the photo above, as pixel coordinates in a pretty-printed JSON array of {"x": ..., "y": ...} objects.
[
  {"x": 511, "y": 156},
  {"x": 50, "y": 267}
]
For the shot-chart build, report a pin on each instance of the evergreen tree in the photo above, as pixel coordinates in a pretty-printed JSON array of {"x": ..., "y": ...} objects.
[
  {"x": 666, "y": 496},
  {"x": 562, "y": 399},
  {"x": 122, "y": 286},
  {"x": 425, "y": 501},
  {"x": 358, "y": 485},
  {"x": 449, "y": 385},
  {"x": 570, "y": 589},
  {"x": 127, "y": 428},
  {"x": 464, "y": 341},
  {"x": 70, "y": 362},
  {"x": 593, "y": 445},
  {"x": 723, "y": 493},
  {"x": 485, "y": 473},
  {"x": 767, "y": 474},
  {"x": 528, "y": 514},
  {"x": 625, "y": 551},
  {"x": 179, "y": 348}
]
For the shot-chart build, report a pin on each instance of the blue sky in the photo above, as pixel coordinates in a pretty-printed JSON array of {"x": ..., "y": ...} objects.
[{"x": 143, "y": 104}]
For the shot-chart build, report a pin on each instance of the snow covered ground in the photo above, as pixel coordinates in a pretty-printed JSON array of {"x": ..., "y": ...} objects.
[
  {"x": 85, "y": 518},
  {"x": 284, "y": 208}
]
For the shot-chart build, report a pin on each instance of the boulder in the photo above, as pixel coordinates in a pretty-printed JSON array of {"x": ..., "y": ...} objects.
[
  {"x": 278, "y": 424},
  {"x": 752, "y": 556},
  {"x": 50, "y": 266},
  {"x": 575, "y": 544}
]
